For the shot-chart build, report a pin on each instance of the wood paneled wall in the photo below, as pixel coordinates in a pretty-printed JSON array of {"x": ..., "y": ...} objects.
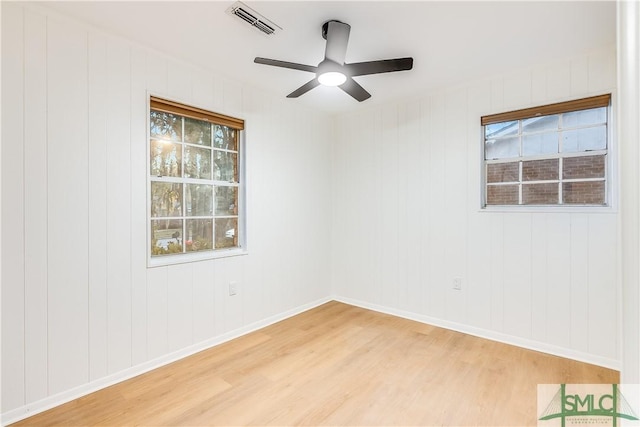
[
  {"x": 79, "y": 305},
  {"x": 407, "y": 220}
]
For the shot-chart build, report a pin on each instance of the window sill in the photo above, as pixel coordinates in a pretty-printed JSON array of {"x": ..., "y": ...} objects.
[
  {"x": 161, "y": 261},
  {"x": 550, "y": 209}
]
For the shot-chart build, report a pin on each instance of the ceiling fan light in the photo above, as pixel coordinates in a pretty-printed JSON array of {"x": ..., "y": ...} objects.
[{"x": 332, "y": 78}]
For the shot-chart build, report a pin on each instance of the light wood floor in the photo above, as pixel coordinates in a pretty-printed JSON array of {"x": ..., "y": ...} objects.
[{"x": 336, "y": 365}]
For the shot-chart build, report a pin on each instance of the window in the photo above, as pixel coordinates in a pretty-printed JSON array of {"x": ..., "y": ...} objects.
[
  {"x": 551, "y": 155},
  {"x": 194, "y": 185}
]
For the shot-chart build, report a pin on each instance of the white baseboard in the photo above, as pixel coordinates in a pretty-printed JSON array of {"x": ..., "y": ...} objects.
[
  {"x": 49, "y": 402},
  {"x": 69, "y": 395},
  {"x": 490, "y": 335}
]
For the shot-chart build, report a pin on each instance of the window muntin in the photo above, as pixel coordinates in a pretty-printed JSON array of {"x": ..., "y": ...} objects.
[
  {"x": 547, "y": 159},
  {"x": 194, "y": 181}
]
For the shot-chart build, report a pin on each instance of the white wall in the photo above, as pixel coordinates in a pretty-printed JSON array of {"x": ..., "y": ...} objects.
[
  {"x": 407, "y": 220},
  {"x": 628, "y": 14},
  {"x": 79, "y": 307}
]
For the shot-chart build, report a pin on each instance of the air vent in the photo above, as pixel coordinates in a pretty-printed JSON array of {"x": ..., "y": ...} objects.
[{"x": 253, "y": 18}]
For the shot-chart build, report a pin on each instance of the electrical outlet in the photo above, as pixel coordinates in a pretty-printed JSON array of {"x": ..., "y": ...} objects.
[
  {"x": 233, "y": 288},
  {"x": 457, "y": 283}
]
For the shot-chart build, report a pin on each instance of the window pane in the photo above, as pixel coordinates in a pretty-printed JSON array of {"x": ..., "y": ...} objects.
[
  {"x": 502, "y": 194},
  {"x": 199, "y": 200},
  {"x": 540, "y": 194},
  {"x": 503, "y": 172},
  {"x": 496, "y": 130},
  {"x": 197, "y": 162},
  {"x": 226, "y": 232},
  {"x": 583, "y": 167},
  {"x": 199, "y": 235},
  {"x": 166, "y": 126},
  {"x": 166, "y": 158},
  {"x": 593, "y": 116},
  {"x": 594, "y": 138},
  {"x": 225, "y": 166},
  {"x": 539, "y": 124},
  {"x": 166, "y": 199},
  {"x": 197, "y": 132},
  {"x": 502, "y": 148},
  {"x": 583, "y": 193},
  {"x": 540, "y": 170},
  {"x": 166, "y": 236},
  {"x": 224, "y": 137},
  {"x": 226, "y": 200},
  {"x": 540, "y": 143}
]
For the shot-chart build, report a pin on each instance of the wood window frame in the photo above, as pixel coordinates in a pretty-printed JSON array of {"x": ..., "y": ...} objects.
[
  {"x": 549, "y": 109},
  {"x": 167, "y": 106}
]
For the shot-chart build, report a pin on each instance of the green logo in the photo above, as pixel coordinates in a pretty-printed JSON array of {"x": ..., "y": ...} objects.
[{"x": 585, "y": 405}]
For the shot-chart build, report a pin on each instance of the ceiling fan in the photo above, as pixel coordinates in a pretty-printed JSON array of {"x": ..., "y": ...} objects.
[{"x": 333, "y": 71}]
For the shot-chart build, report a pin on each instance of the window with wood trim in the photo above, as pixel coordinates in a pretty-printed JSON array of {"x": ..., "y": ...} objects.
[
  {"x": 550, "y": 155},
  {"x": 194, "y": 185}
]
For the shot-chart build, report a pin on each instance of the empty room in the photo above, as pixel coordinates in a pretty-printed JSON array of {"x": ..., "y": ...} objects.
[{"x": 344, "y": 213}]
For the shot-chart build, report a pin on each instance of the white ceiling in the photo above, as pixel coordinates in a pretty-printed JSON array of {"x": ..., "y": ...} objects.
[{"x": 450, "y": 41}]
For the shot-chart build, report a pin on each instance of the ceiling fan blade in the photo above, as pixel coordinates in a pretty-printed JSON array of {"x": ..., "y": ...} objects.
[
  {"x": 376, "y": 67},
  {"x": 355, "y": 90},
  {"x": 285, "y": 64},
  {"x": 304, "y": 88},
  {"x": 337, "y": 40}
]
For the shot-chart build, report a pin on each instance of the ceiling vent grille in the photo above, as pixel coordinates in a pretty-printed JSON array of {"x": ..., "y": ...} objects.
[{"x": 253, "y": 18}]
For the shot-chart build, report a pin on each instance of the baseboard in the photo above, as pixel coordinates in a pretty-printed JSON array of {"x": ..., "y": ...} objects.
[
  {"x": 49, "y": 402},
  {"x": 42, "y": 405},
  {"x": 490, "y": 335}
]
